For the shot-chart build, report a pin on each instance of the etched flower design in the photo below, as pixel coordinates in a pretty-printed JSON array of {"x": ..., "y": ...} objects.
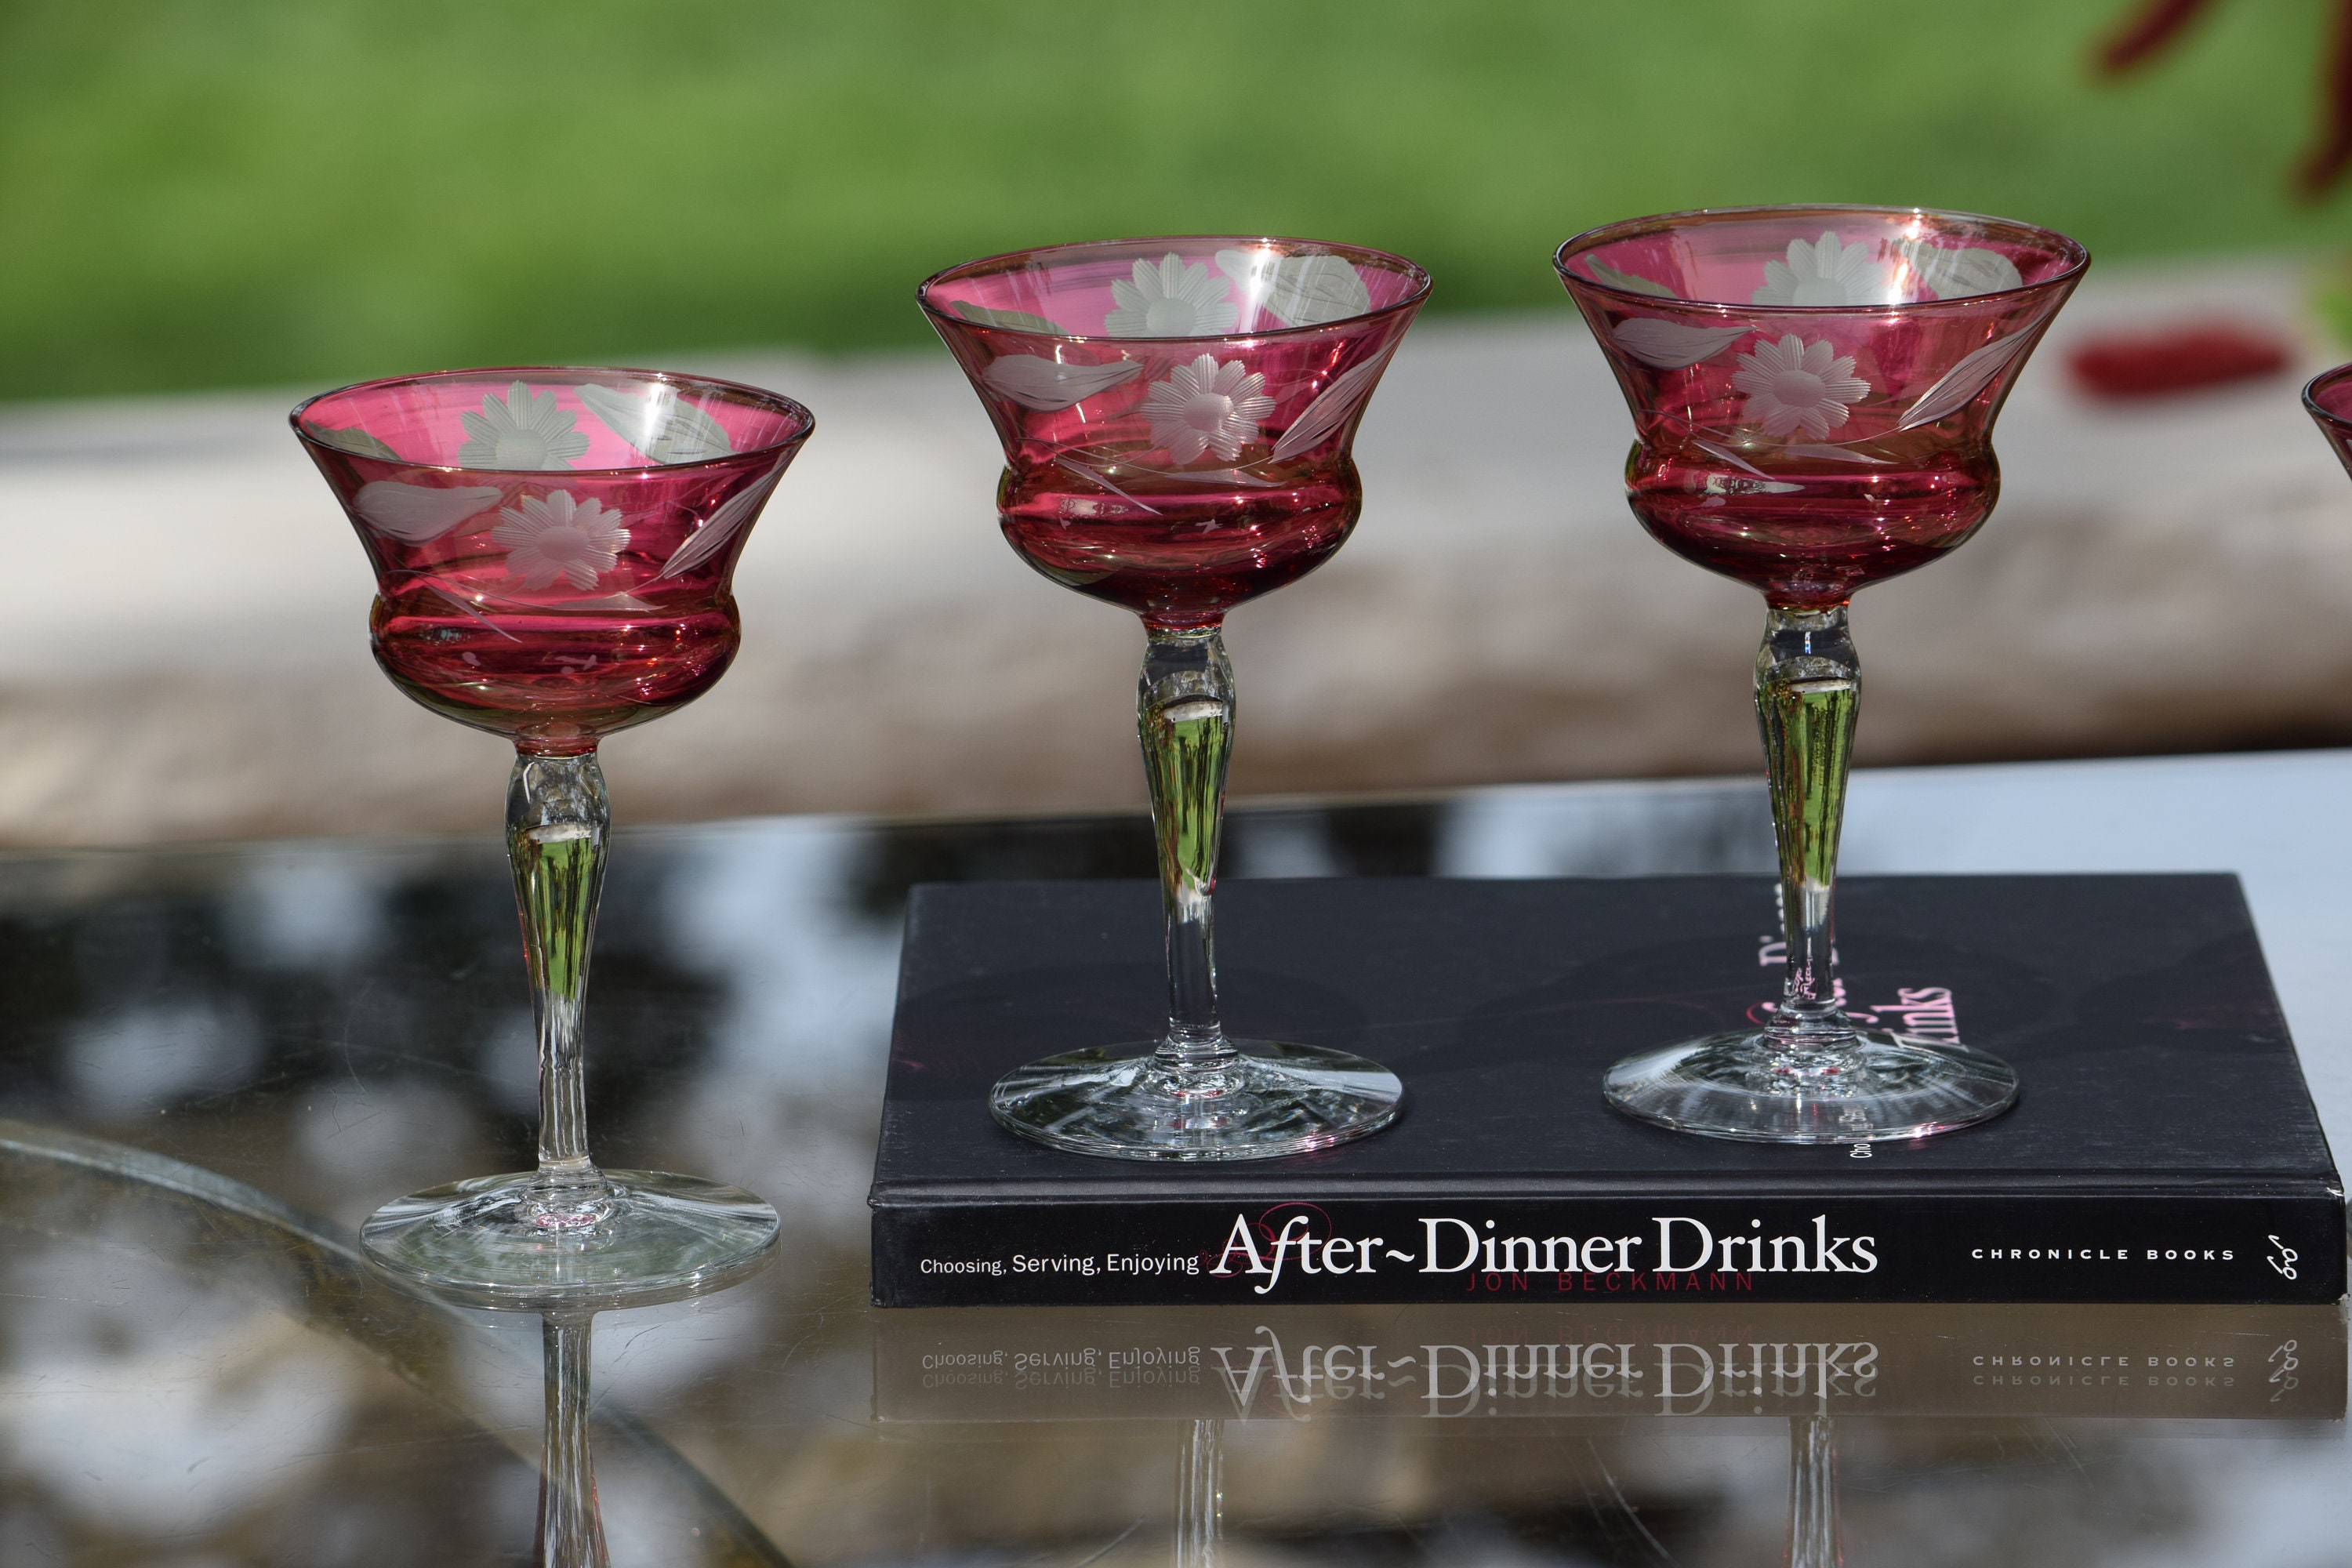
[
  {"x": 1205, "y": 406},
  {"x": 553, "y": 536},
  {"x": 1170, "y": 300},
  {"x": 523, "y": 430},
  {"x": 1797, "y": 385},
  {"x": 1826, "y": 272}
]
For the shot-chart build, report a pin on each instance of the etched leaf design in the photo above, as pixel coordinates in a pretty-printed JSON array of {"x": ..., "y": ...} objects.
[
  {"x": 458, "y": 599},
  {"x": 1019, "y": 321},
  {"x": 418, "y": 514},
  {"x": 1299, "y": 290},
  {"x": 1673, "y": 345},
  {"x": 1036, "y": 382},
  {"x": 663, "y": 426},
  {"x": 1953, "y": 390},
  {"x": 1240, "y": 476},
  {"x": 1095, "y": 476},
  {"x": 1960, "y": 274},
  {"x": 716, "y": 529},
  {"x": 1715, "y": 450},
  {"x": 1632, "y": 283},
  {"x": 1331, "y": 409},
  {"x": 470, "y": 598},
  {"x": 1827, "y": 453},
  {"x": 357, "y": 440}
]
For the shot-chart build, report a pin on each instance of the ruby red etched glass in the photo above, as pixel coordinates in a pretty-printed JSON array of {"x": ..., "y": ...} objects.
[
  {"x": 553, "y": 552},
  {"x": 1813, "y": 391},
  {"x": 1176, "y": 416}
]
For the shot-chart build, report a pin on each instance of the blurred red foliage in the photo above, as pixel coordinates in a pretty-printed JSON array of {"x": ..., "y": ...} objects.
[
  {"x": 2153, "y": 27},
  {"x": 2196, "y": 354}
]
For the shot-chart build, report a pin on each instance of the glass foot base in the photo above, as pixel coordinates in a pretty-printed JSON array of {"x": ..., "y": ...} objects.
[
  {"x": 496, "y": 1241},
  {"x": 1884, "y": 1085},
  {"x": 1268, "y": 1099}
]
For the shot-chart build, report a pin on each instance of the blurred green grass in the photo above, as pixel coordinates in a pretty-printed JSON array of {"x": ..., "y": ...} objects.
[{"x": 211, "y": 193}]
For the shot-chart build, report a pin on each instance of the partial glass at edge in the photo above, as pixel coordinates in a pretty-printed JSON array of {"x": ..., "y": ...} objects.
[
  {"x": 1177, "y": 415},
  {"x": 1813, "y": 391},
  {"x": 553, "y": 551},
  {"x": 2327, "y": 398}
]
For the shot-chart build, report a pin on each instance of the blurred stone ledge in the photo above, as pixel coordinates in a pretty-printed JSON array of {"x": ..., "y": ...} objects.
[{"x": 186, "y": 654}]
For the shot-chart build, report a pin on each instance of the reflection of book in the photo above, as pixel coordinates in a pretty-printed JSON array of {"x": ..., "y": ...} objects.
[
  {"x": 2165, "y": 1147},
  {"x": 1461, "y": 1362}
]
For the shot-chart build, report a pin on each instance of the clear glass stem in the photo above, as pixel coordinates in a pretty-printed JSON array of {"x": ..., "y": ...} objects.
[
  {"x": 570, "y": 1527},
  {"x": 1185, "y": 715},
  {"x": 1807, "y": 689},
  {"x": 557, "y": 820},
  {"x": 1813, "y": 1540},
  {"x": 1201, "y": 1496},
  {"x": 1814, "y": 1074}
]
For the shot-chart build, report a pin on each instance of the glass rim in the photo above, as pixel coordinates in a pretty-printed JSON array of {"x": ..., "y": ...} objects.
[
  {"x": 803, "y": 421},
  {"x": 1420, "y": 275},
  {"x": 2311, "y": 399},
  {"x": 2078, "y": 257}
]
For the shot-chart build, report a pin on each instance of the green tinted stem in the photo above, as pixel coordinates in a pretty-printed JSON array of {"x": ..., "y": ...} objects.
[
  {"x": 1808, "y": 689},
  {"x": 1185, "y": 718},
  {"x": 556, "y": 822}
]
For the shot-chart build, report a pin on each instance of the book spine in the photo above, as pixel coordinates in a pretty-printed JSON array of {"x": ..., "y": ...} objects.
[{"x": 2153, "y": 1246}]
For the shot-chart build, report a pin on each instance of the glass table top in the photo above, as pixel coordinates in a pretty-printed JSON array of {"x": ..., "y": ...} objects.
[{"x": 219, "y": 1059}]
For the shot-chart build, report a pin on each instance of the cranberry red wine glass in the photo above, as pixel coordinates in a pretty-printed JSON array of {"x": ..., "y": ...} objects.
[
  {"x": 553, "y": 551},
  {"x": 1176, "y": 416},
  {"x": 2328, "y": 400},
  {"x": 1813, "y": 391}
]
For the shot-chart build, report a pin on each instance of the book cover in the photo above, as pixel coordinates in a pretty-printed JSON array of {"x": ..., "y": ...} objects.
[{"x": 2165, "y": 1148}]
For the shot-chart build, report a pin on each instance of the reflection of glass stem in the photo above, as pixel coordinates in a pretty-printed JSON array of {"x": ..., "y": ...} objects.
[
  {"x": 571, "y": 1530},
  {"x": 1808, "y": 686},
  {"x": 1201, "y": 1496},
  {"x": 556, "y": 821},
  {"x": 1812, "y": 1493},
  {"x": 1185, "y": 718}
]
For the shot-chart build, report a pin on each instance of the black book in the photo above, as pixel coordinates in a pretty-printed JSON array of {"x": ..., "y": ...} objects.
[{"x": 2165, "y": 1149}]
